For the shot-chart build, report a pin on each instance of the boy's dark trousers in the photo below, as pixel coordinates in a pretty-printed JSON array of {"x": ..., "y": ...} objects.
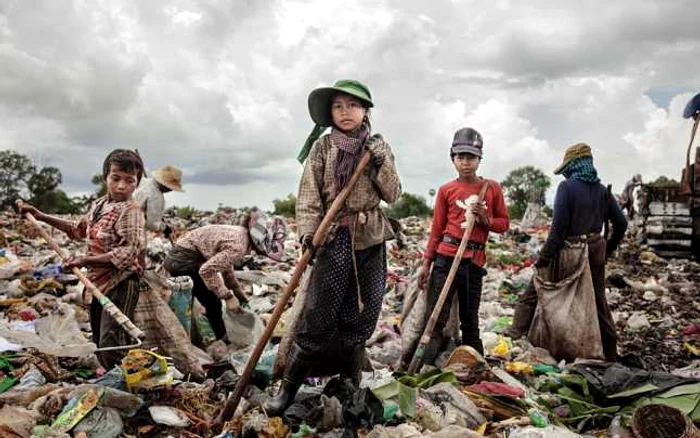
[{"x": 467, "y": 283}]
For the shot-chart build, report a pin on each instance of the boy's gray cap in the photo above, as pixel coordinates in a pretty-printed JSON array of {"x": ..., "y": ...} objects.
[{"x": 467, "y": 141}]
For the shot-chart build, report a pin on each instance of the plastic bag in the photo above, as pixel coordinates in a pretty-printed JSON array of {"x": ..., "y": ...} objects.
[
  {"x": 459, "y": 409},
  {"x": 31, "y": 379},
  {"x": 101, "y": 423},
  {"x": 25, "y": 398},
  {"x": 14, "y": 267},
  {"x": 400, "y": 431},
  {"x": 181, "y": 301},
  {"x": 243, "y": 328},
  {"x": 544, "y": 432},
  {"x": 454, "y": 431},
  {"x": 263, "y": 369},
  {"x": 168, "y": 416},
  {"x": 57, "y": 334},
  {"x": 502, "y": 348},
  {"x": 498, "y": 324}
]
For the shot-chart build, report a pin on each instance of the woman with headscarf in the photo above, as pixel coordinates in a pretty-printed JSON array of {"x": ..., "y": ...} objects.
[{"x": 581, "y": 207}]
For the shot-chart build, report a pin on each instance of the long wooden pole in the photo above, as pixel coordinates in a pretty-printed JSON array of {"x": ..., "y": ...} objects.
[
  {"x": 318, "y": 240},
  {"x": 428, "y": 332},
  {"x": 106, "y": 303},
  {"x": 687, "y": 183}
]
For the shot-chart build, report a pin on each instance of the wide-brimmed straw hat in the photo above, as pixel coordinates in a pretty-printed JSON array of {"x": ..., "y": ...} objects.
[{"x": 169, "y": 177}]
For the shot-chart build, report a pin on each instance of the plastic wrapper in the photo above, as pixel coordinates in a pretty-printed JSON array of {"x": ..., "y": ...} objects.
[
  {"x": 127, "y": 404},
  {"x": 77, "y": 409}
]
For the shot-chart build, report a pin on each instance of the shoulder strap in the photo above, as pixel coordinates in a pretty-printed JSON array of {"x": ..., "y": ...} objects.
[{"x": 484, "y": 189}]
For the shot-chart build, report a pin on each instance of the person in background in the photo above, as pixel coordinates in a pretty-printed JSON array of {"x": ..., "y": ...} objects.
[
  {"x": 151, "y": 199},
  {"x": 581, "y": 207},
  {"x": 627, "y": 196},
  {"x": 208, "y": 255}
]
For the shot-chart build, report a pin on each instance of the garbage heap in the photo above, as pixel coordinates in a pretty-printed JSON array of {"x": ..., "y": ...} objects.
[{"x": 52, "y": 385}]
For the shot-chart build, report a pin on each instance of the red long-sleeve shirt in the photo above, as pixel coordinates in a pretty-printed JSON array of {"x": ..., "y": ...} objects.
[{"x": 448, "y": 218}]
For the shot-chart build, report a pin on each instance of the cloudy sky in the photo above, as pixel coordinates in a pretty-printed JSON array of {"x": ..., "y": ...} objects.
[{"x": 219, "y": 88}]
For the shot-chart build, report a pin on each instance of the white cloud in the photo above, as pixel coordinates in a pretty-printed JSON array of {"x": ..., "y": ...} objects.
[
  {"x": 662, "y": 144},
  {"x": 219, "y": 88}
]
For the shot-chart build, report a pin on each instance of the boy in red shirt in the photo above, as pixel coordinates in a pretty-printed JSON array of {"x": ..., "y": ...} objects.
[{"x": 445, "y": 237}]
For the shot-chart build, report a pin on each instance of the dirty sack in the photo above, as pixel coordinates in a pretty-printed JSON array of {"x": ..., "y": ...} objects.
[
  {"x": 165, "y": 333},
  {"x": 413, "y": 319},
  {"x": 290, "y": 318},
  {"x": 566, "y": 318},
  {"x": 17, "y": 422}
]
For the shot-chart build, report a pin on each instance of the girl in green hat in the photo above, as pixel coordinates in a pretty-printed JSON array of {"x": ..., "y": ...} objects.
[{"x": 348, "y": 281}]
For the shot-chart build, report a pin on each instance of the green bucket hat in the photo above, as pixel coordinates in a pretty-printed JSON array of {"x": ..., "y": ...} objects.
[
  {"x": 320, "y": 108},
  {"x": 320, "y": 99}
]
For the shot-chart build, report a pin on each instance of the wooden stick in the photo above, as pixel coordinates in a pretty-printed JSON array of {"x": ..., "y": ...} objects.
[
  {"x": 428, "y": 332},
  {"x": 687, "y": 180},
  {"x": 318, "y": 240},
  {"x": 106, "y": 303}
]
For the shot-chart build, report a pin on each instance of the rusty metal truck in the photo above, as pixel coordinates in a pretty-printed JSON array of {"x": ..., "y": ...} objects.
[{"x": 671, "y": 212}]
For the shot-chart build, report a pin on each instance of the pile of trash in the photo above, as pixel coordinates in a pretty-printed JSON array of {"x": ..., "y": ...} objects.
[{"x": 52, "y": 385}]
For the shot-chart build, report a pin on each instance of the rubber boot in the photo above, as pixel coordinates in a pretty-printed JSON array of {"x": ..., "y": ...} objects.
[
  {"x": 355, "y": 364},
  {"x": 296, "y": 371},
  {"x": 432, "y": 350}
]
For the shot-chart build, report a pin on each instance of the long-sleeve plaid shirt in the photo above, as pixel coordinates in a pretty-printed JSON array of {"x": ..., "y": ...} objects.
[
  {"x": 221, "y": 246},
  {"x": 117, "y": 229},
  {"x": 317, "y": 192}
]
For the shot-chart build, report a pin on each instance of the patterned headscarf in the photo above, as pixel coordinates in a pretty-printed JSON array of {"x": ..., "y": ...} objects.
[
  {"x": 349, "y": 148},
  {"x": 581, "y": 169},
  {"x": 268, "y": 234}
]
